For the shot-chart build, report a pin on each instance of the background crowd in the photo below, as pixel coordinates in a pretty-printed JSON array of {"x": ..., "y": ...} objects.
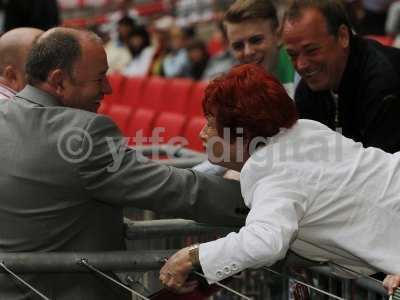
[{"x": 181, "y": 38}]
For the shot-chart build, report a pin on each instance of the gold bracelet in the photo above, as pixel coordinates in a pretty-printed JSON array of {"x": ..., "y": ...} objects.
[{"x": 194, "y": 255}]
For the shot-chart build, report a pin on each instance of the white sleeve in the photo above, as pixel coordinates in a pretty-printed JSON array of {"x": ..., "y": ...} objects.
[{"x": 271, "y": 226}]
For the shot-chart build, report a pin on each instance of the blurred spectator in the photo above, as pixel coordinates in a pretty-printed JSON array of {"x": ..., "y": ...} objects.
[
  {"x": 280, "y": 6},
  {"x": 105, "y": 37},
  {"x": 14, "y": 48},
  {"x": 176, "y": 62},
  {"x": 159, "y": 37},
  {"x": 221, "y": 62},
  {"x": 220, "y": 7},
  {"x": 192, "y": 11},
  {"x": 118, "y": 54},
  {"x": 355, "y": 12},
  {"x": 198, "y": 58},
  {"x": 41, "y": 14},
  {"x": 392, "y": 25},
  {"x": 125, "y": 9},
  {"x": 141, "y": 51},
  {"x": 217, "y": 43},
  {"x": 375, "y": 13}
]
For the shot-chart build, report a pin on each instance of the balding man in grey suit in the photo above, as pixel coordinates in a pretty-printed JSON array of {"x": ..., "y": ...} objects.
[
  {"x": 66, "y": 174},
  {"x": 14, "y": 48}
]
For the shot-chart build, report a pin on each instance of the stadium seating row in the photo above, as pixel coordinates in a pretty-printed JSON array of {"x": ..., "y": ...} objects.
[{"x": 154, "y": 110}]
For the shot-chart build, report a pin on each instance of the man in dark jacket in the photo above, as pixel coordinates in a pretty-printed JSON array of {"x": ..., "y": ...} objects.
[{"x": 348, "y": 83}]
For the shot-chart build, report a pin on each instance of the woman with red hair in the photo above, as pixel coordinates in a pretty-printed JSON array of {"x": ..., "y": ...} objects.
[{"x": 309, "y": 189}]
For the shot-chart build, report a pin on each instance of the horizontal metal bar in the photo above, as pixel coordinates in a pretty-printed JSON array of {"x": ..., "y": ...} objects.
[
  {"x": 136, "y": 230},
  {"x": 34, "y": 262},
  {"x": 365, "y": 283},
  {"x": 154, "y": 229}
]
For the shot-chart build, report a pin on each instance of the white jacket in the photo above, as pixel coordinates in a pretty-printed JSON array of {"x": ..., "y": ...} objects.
[{"x": 312, "y": 188}]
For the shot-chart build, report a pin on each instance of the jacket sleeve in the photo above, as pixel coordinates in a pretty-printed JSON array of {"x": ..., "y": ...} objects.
[
  {"x": 380, "y": 125},
  {"x": 114, "y": 173},
  {"x": 270, "y": 228},
  {"x": 378, "y": 101}
]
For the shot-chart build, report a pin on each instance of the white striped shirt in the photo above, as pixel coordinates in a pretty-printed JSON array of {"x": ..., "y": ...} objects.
[{"x": 6, "y": 92}]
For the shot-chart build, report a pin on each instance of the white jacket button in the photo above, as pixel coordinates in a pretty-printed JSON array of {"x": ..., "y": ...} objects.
[
  {"x": 219, "y": 274},
  {"x": 234, "y": 267},
  {"x": 227, "y": 270}
]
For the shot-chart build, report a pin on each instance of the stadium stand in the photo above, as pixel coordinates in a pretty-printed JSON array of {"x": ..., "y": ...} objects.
[{"x": 141, "y": 104}]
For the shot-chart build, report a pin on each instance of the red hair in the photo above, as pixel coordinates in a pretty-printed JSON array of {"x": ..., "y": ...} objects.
[{"x": 249, "y": 98}]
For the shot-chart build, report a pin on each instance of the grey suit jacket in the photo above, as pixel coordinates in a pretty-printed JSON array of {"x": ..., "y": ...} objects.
[{"x": 64, "y": 178}]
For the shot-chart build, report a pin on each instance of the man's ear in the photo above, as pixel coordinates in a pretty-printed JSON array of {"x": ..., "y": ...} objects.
[
  {"x": 10, "y": 75},
  {"x": 56, "y": 79},
  {"x": 344, "y": 36}
]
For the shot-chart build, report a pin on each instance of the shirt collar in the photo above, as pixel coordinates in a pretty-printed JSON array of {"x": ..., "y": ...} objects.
[
  {"x": 7, "y": 89},
  {"x": 38, "y": 96}
]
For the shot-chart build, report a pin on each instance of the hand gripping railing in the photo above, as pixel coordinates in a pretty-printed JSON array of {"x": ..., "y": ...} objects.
[{"x": 179, "y": 227}]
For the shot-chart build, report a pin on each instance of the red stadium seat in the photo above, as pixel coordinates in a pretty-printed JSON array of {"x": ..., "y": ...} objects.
[
  {"x": 133, "y": 90},
  {"x": 117, "y": 82},
  {"x": 196, "y": 98},
  {"x": 177, "y": 95},
  {"x": 140, "y": 126},
  {"x": 153, "y": 93},
  {"x": 191, "y": 133},
  {"x": 104, "y": 107},
  {"x": 121, "y": 115},
  {"x": 172, "y": 125}
]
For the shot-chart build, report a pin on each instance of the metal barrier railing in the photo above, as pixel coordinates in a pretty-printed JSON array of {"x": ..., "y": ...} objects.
[
  {"x": 255, "y": 284},
  {"x": 318, "y": 275},
  {"x": 50, "y": 262}
]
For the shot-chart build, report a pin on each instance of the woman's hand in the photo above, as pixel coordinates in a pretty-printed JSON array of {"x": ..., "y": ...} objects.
[
  {"x": 176, "y": 271},
  {"x": 391, "y": 282}
]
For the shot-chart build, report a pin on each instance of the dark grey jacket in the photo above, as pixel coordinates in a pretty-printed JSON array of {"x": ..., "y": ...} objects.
[{"x": 55, "y": 198}]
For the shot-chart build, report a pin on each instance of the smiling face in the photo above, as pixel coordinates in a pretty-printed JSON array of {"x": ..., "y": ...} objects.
[
  {"x": 89, "y": 83},
  {"x": 318, "y": 56},
  {"x": 254, "y": 41}
]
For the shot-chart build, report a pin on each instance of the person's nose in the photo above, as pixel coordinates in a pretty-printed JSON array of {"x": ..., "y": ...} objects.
[
  {"x": 248, "y": 51},
  {"x": 302, "y": 63},
  {"x": 203, "y": 134}
]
